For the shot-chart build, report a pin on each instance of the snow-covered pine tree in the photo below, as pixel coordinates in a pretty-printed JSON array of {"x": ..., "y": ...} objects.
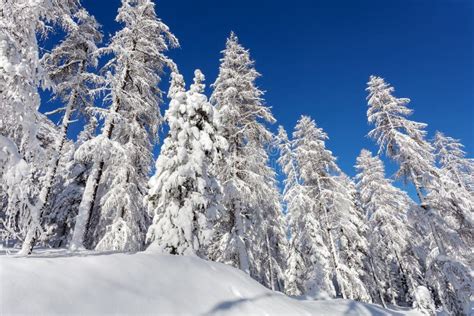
[
  {"x": 445, "y": 211},
  {"x": 20, "y": 68},
  {"x": 67, "y": 68},
  {"x": 122, "y": 154},
  {"x": 456, "y": 176},
  {"x": 270, "y": 265},
  {"x": 308, "y": 269},
  {"x": 452, "y": 159},
  {"x": 21, "y": 75},
  {"x": 248, "y": 181},
  {"x": 326, "y": 228},
  {"x": 350, "y": 233},
  {"x": 391, "y": 256},
  {"x": 317, "y": 166},
  {"x": 184, "y": 196},
  {"x": 316, "y": 163}
]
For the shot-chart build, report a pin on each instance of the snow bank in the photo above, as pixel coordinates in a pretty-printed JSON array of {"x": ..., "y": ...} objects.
[{"x": 147, "y": 283}]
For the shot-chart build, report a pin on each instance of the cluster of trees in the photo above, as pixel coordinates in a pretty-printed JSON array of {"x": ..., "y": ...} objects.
[{"x": 214, "y": 193}]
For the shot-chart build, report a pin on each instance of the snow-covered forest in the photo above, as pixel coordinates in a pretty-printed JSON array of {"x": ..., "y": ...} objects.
[{"x": 212, "y": 192}]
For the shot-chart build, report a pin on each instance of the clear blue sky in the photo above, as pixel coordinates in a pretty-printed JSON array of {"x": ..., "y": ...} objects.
[{"x": 315, "y": 57}]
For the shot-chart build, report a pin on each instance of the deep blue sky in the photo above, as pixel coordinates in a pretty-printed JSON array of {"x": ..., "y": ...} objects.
[{"x": 315, "y": 57}]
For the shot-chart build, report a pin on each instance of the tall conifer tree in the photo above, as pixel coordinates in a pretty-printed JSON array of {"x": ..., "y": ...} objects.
[
  {"x": 250, "y": 219},
  {"x": 111, "y": 214},
  {"x": 184, "y": 194},
  {"x": 448, "y": 217}
]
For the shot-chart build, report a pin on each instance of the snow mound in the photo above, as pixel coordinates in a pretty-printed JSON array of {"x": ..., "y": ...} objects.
[{"x": 147, "y": 283}]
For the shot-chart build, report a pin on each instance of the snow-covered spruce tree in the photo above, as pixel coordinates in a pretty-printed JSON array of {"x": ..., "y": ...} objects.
[
  {"x": 404, "y": 141},
  {"x": 271, "y": 265},
  {"x": 112, "y": 213},
  {"x": 184, "y": 196},
  {"x": 20, "y": 77},
  {"x": 452, "y": 159},
  {"x": 248, "y": 182},
  {"x": 308, "y": 269},
  {"x": 318, "y": 171},
  {"x": 67, "y": 67},
  {"x": 350, "y": 232},
  {"x": 391, "y": 259},
  {"x": 327, "y": 241},
  {"x": 456, "y": 175}
]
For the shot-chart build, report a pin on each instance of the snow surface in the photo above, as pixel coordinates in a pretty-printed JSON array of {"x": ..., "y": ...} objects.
[{"x": 57, "y": 282}]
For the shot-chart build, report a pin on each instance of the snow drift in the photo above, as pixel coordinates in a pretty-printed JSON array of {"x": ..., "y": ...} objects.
[{"x": 147, "y": 283}]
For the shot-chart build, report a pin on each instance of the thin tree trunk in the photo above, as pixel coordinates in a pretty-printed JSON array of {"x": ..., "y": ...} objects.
[
  {"x": 407, "y": 277},
  {"x": 238, "y": 225},
  {"x": 377, "y": 283},
  {"x": 244, "y": 263},
  {"x": 45, "y": 193},
  {"x": 88, "y": 198},
  {"x": 337, "y": 271},
  {"x": 86, "y": 205},
  {"x": 270, "y": 262},
  {"x": 392, "y": 295},
  {"x": 340, "y": 284},
  {"x": 30, "y": 239},
  {"x": 427, "y": 208},
  {"x": 90, "y": 192}
]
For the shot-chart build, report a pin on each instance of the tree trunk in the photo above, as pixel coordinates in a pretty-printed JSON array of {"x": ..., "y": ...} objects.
[
  {"x": 45, "y": 192},
  {"x": 29, "y": 242},
  {"x": 85, "y": 207},
  {"x": 90, "y": 192},
  {"x": 404, "y": 277},
  {"x": 427, "y": 208},
  {"x": 335, "y": 261},
  {"x": 377, "y": 283},
  {"x": 244, "y": 263},
  {"x": 270, "y": 262},
  {"x": 332, "y": 250}
]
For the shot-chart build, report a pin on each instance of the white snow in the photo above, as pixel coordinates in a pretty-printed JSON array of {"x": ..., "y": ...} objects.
[{"x": 57, "y": 282}]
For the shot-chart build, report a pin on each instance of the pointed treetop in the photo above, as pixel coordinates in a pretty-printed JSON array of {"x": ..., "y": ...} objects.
[
  {"x": 389, "y": 115},
  {"x": 232, "y": 44},
  {"x": 307, "y": 126},
  {"x": 451, "y": 157},
  {"x": 366, "y": 161},
  {"x": 282, "y": 134},
  {"x": 378, "y": 83},
  {"x": 365, "y": 153},
  {"x": 198, "y": 85},
  {"x": 380, "y": 91},
  {"x": 141, "y": 14},
  {"x": 445, "y": 144},
  {"x": 176, "y": 84},
  {"x": 233, "y": 37}
]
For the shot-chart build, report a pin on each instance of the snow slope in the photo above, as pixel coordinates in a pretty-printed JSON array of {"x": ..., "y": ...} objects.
[{"x": 147, "y": 283}]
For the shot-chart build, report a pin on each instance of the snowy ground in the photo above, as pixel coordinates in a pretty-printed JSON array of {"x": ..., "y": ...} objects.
[{"x": 147, "y": 283}]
